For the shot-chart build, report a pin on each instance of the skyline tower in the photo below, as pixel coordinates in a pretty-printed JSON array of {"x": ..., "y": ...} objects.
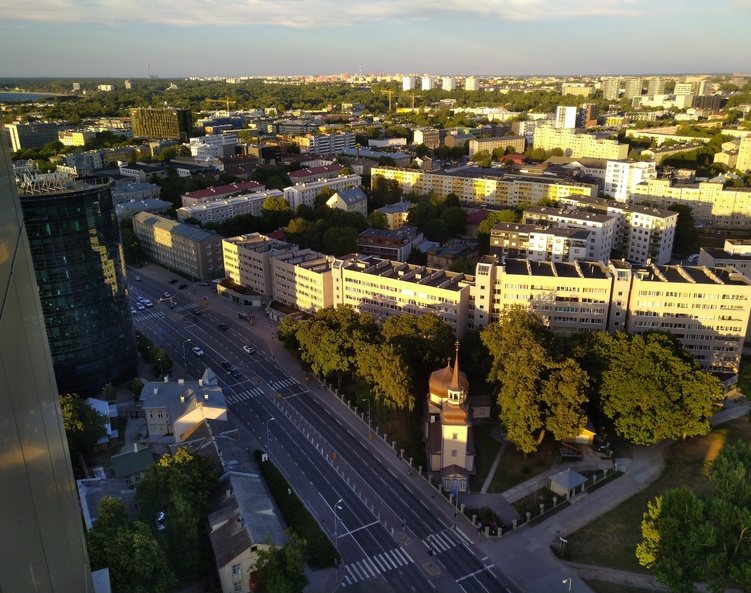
[
  {"x": 43, "y": 546},
  {"x": 74, "y": 238}
]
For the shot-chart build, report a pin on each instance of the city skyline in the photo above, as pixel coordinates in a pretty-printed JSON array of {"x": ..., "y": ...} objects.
[{"x": 247, "y": 38}]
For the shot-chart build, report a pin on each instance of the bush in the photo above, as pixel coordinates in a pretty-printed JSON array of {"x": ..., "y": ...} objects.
[{"x": 319, "y": 551}]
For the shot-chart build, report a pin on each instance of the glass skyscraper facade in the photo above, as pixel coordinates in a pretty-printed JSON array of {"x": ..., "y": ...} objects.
[
  {"x": 78, "y": 258},
  {"x": 42, "y": 547}
]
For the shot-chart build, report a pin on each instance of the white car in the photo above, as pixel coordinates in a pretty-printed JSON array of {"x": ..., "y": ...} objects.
[
  {"x": 148, "y": 303},
  {"x": 138, "y": 277},
  {"x": 140, "y": 307},
  {"x": 249, "y": 349},
  {"x": 197, "y": 351}
]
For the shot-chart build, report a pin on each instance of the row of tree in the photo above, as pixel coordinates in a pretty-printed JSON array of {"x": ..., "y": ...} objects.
[{"x": 646, "y": 384}]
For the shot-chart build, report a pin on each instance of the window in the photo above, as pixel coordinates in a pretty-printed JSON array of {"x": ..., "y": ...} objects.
[
  {"x": 238, "y": 587},
  {"x": 454, "y": 453},
  {"x": 236, "y": 569},
  {"x": 456, "y": 436}
]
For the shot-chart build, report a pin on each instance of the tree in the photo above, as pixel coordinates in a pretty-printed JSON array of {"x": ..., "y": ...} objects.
[
  {"x": 378, "y": 220},
  {"x": 686, "y": 238},
  {"x": 437, "y": 230},
  {"x": 652, "y": 389},
  {"x": 136, "y": 561},
  {"x": 339, "y": 241},
  {"x": 286, "y": 331},
  {"x": 455, "y": 219},
  {"x": 422, "y": 341},
  {"x": 84, "y": 426},
  {"x": 384, "y": 369},
  {"x": 564, "y": 396},
  {"x": 179, "y": 485},
  {"x": 675, "y": 539},
  {"x": 281, "y": 570},
  {"x": 483, "y": 158}
]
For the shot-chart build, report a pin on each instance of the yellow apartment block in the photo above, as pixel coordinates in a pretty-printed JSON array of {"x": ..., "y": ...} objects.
[
  {"x": 710, "y": 203},
  {"x": 302, "y": 279},
  {"x": 578, "y": 145},
  {"x": 483, "y": 189}
]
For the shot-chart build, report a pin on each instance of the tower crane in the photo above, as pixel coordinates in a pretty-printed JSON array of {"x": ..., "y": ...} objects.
[
  {"x": 226, "y": 101},
  {"x": 389, "y": 93}
]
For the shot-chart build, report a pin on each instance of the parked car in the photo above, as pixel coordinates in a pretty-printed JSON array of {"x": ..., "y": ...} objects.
[
  {"x": 249, "y": 349},
  {"x": 160, "y": 518},
  {"x": 172, "y": 281},
  {"x": 183, "y": 285},
  {"x": 223, "y": 327},
  {"x": 197, "y": 351},
  {"x": 204, "y": 284}
]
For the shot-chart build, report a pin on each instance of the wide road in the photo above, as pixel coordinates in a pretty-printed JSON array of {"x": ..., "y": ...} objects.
[{"x": 393, "y": 531}]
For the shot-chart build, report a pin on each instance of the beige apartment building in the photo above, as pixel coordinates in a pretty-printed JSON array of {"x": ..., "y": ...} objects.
[
  {"x": 517, "y": 143},
  {"x": 710, "y": 202},
  {"x": 181, "y": 247},
  {"x": 247, "y": 260},
  {"x": 707, "y": 310},
  {"x": 577, "y": 145},
  {"x": 303, "y": 279},
  {"x": 481, "y": 188},
  {"x": 384, "y": 289}
]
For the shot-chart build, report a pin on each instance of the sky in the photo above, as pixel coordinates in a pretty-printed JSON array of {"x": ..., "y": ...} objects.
[{"x": 182, "y": 38}]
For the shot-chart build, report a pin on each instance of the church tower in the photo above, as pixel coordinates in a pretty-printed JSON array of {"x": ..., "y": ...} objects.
[{"x": 448, "y": 428}]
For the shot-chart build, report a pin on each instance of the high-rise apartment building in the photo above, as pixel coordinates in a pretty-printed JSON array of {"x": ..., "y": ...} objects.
[
  {"x": 35, "y": 135},
  {"x": 743, "y": 163},
  {"x": 565, "y": 117},
  {"x": 162, "y": 123},
  {"x": 428, "y": 83},
  {"x": 656, "y": 86},
  {"x": 632, "y": 88},
  {"x": 448, "y": 83},
  {"x": 43, "y": 546},
  {"x": 77, "y": 252},
  {"x": 471, "y": 84},
  {"x": 611, "y": 89},
  {"x": 578, "y": 145},
  {"x": 408, "y": 83}
]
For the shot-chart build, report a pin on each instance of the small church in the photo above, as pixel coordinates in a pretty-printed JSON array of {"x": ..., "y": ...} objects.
[{"x": 448, "y": 427}]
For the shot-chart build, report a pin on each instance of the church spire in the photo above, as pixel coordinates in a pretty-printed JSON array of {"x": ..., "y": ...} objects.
[{"x": 455, "y": 386}]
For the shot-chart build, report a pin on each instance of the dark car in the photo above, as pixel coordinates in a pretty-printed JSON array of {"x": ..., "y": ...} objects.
[
  {"x": 204, "y": 284},
  {"x": 173, "y": 281},
  {"x": 182, "y": 286},
  {"x": 226, "y": 364},
  {"x": 223, "y": 327},
  {"x": 235, "y": 373}
]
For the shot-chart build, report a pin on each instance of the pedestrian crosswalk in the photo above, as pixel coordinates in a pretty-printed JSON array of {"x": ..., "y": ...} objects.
[
  {"x": 148, "y": 314},
  {"x": 371, "y": 567},
  {"x": 289, "y": 382},
  {"x": 442, "y": 541},
  {"x": 243, "y": 395}
]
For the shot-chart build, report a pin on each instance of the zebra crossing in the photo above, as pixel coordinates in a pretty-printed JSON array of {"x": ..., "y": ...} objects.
[
  {"x": 369, "y": 568},
  {"x": 289, "y": 382},
  {"x": 148, "y": 314},
  {"x": 442, "y": 541},
  {"x": 244, "y": 395}
]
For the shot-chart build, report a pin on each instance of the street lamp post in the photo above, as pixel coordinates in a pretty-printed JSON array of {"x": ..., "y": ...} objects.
[
  {"x": 568, "y": 580},
  {"x": 337, "y": 506},
  {"x": 268, "y": 436},
  {"x": 185, "y": 360},
  {"x": 370, "y": 434}
]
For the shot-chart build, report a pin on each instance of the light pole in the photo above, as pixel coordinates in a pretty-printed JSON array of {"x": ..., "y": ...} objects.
[
  {"x": 185, "y": 361},
  {"x": 337, "y": 506},
  {"x": 370, "y": 434},
  {"x": 268, "y": 436},
  {"x": 568, "y": 580}
]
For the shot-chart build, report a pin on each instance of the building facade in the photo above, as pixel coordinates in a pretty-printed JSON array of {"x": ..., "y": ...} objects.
[
  {"x": 220, "y": 210},
  {"x": 162, "y": 123},
  {"x": 34, "y": 135},
  {"x": 578, "y": 145},
  {"x": 181, "y": 247},
  {"x": 305, "y": 193},
  {"x": 517, "y": 143},
  {"x": 75, "y": 244},
  {"x": 43, "y": 546}
]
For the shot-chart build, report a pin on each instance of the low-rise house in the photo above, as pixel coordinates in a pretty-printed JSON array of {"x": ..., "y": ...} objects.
[
  {"x": 349, "y": 200},
  {"x": 132, "y": 465}
]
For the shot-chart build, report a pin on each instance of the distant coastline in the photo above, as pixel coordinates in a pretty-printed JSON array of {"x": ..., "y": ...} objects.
[{"x": 18, "y": 96}]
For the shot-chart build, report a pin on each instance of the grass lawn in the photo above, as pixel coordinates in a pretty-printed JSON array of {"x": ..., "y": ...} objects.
[
  {"x": 611, "y": 540},
  {"x": 516, "y": 468},
  {"x": 487, "y": 448},
  {"x": 603, "y": 587}
]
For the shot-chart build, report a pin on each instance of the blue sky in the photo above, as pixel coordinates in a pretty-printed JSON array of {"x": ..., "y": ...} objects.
[{"x": 179, "y": 38}]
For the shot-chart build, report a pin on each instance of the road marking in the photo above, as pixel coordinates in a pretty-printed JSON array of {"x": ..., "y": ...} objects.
[{"x": 472, "y": 574}]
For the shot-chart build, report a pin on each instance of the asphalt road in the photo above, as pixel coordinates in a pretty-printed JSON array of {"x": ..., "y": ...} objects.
[{"x": 379, "y": 516}]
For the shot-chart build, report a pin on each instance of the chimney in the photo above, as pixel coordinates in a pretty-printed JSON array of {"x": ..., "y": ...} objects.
[
  {"x": 135, "y": 447},
  {"x": 239, "y": 523},
  {"x": 200, "y": 381},
  {"x": 182, "y": 398},
  {"x": 228, "y": 492},
  {"x": 206, "y": 396},
  {"x": 181, "y": 381},
  {"x": 156, "y": 390},
  {"x": 166, "y": 378}
]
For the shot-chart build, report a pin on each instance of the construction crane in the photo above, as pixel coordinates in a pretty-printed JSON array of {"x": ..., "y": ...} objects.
[
  {"x": 389, "y": 93},
  {"x": 226, "y": 101},
  {"x": 413, "y": 99}
]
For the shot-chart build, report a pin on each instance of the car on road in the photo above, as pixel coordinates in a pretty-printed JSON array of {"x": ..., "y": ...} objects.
[
  {"x": 236, "y": 374},
  {"x": 197, "y": 351},
  {"x": 138, "y": 277},
  {"x": 148, "y": 303},
  {"x": 132, "y": 310},
  {"x": 204, "y": 284},
  {"x": 223, "y": 326},
  {"x": 166, "y": 294},
  {"x": 183, "y": 285},
  {"x": 172, "y": 281},
  {"x": 140, "y": 306},
  {"x": 140, "y": 299},
  {"x": 226, "y": 365},
  {"x": 249, "y": 349}
]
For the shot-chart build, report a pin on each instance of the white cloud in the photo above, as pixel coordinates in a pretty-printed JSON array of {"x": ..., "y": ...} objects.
[{"x": 328, "y": 13}]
